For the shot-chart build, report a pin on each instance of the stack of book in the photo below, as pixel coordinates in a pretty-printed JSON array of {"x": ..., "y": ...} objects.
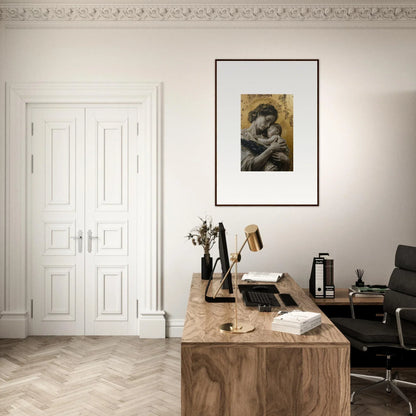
[
  {"x": 296, "y": 322},
  {"x": 369, "y": 289}
]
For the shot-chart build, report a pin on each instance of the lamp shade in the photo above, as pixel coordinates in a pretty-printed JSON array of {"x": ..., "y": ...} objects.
[{"x": 253, "y": 237}]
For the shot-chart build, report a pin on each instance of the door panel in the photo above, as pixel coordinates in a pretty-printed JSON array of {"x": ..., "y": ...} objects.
[
  {"x": 60, "y": 165},
  {"x": 56, "y": 215},
  {"x": 111, "y": 221},
  {"x": 112, "y": 284},
  {"x": 112, "y": 239},
  {"x": 58, "y": 238},
  {"x": 112, "y": 167},
  {"x": 59, "y": 289}
]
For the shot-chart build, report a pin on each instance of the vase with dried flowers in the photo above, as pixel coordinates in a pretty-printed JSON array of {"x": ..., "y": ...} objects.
[
  {"x": 204, "y": 235},
  {"x": 360, "y": 274}
]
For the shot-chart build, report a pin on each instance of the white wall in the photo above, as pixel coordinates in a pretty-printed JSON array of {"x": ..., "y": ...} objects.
[{"x": 367, "y": 135}]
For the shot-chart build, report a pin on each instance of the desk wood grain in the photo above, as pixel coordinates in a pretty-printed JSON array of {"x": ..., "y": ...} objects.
[{"x": 264, "y": 372}]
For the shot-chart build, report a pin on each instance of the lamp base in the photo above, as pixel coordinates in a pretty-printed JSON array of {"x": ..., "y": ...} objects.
[{"x": 242, "y": 329}]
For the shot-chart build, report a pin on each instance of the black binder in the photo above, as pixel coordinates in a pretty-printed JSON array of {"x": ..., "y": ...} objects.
[
  {"x": 321, "y": 281},
  {"x": 329, "y": 278}
]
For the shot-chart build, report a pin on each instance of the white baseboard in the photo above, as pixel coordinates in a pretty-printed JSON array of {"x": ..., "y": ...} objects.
[
  {"x": 175, "y": 328},
  {"x": 152, "y": 324},
  {"x": 13, "y": 325}
]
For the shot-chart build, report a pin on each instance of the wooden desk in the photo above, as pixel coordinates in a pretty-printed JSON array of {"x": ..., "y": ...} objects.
[{"x": 264, "y": 372}]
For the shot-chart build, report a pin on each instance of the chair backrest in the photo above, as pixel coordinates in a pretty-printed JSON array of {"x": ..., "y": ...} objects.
[{"x": 402, "y": 284}]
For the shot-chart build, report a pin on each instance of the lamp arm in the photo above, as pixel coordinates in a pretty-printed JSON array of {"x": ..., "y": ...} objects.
[{"x": 231, "y": 266}]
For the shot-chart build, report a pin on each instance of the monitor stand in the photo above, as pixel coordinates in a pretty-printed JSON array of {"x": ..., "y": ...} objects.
[{"x": 217, "y": 299}]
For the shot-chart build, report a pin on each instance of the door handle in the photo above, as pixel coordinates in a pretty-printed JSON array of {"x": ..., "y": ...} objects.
[
  {"x": 90, "y": 238},
  {"x": 79, "y": 238}
]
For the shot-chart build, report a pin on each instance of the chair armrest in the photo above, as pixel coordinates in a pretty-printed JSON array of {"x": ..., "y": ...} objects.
[
  {"x": 352, "y": 294},
  {"x": 400, "y": 330}
]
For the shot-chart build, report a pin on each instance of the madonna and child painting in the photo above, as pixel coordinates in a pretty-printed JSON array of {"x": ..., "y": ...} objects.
[{"x": 267, "y": 132}]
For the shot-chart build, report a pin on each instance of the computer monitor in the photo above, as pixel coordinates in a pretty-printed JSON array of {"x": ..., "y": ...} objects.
[
  {"x": 225, "y": 262},
  {"x": 225, "y": 265}
]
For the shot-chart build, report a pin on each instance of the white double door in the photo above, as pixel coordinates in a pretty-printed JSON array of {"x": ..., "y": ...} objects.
[{"x": 83, "y": 219}]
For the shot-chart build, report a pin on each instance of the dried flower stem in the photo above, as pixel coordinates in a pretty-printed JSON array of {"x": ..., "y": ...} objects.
[{"x": 204, "y": 235}]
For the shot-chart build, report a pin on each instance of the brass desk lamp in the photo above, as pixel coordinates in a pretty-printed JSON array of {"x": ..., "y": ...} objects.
[{"x": 253, "y": 239}]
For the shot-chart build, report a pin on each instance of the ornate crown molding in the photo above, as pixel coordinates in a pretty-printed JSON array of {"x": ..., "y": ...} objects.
[{"x": 202, "y": 13}]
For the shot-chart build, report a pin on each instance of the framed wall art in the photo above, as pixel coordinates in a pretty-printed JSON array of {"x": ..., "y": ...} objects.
[{"x": 266, "y": 132}]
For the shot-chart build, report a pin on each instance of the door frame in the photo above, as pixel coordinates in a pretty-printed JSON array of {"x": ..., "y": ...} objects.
[{"x": 14, "y": 317}]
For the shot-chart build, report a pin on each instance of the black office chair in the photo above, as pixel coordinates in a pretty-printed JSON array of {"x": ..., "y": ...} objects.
[{"x": 398, "y": 329}]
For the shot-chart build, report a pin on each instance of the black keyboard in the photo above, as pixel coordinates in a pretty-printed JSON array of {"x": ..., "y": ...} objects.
[
  {"x": 287, "y": 299},
  {"x": 260, "y": 298},
  {"x": 265, "y": 288}
]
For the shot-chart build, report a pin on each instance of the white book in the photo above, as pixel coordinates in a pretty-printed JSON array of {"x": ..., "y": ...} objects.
[
  {"x": 301, "y": 326},
  {"x": 296, "y": 331},
  {"x": 262, "y": 277},
  {"x": 297, "y": 316}
]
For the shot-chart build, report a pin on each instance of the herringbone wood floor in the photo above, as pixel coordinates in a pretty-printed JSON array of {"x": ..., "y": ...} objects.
[
  {"x": 94, "y": 376},
  {"x": 118, "y": 376}
]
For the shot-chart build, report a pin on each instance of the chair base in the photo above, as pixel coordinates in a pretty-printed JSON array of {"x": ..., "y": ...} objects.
[{"x": 391, "y": 384}]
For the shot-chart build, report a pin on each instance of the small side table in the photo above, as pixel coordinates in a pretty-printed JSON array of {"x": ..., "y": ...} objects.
[{"x": 366, "y": 307}]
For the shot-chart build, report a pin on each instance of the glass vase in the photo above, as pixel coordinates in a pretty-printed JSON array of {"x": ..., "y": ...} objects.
[{"x": 206, "y": 267}]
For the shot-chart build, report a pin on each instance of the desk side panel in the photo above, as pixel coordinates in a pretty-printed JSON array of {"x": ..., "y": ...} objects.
[
  {"x": 308, "y": 381},
  {"x": 264, "y": 380},
  {"x": 218, "y": 380}
]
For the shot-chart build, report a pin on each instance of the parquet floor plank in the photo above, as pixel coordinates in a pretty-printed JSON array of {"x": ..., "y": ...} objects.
[{"x": 120, "y": 376}]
